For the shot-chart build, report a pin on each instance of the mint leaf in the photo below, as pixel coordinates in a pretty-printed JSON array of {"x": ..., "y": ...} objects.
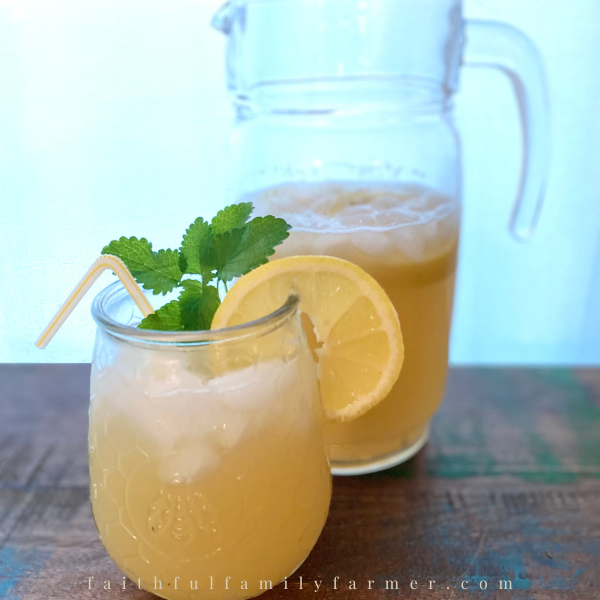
[
  {"x": 195, "y": 247},
  {"x": 164, "y": 274},
  {"x": 227, "y": 247},
  {"x": 198, "y": 305},
  {"x": 235, "y": 253},
  {"x": 166, "y": 318},
  {"x": 224, "y": 247},
  {"x": 232, "y": 217},
  {"x": 183, "y": 263},
  {"x": 156, "y": 271}
]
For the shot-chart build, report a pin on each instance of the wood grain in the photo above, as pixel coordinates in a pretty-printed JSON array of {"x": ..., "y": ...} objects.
[{"x": 508, "y": 488}]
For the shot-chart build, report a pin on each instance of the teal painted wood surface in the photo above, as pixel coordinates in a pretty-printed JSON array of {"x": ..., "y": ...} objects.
[{"x": 507, "y": 491}]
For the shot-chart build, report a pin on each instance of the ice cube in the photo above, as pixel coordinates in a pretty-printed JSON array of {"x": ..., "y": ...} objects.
[
  {"x": 410, "y": 240},
  {"x": 189, "y": 463},
  {"x": 375, "y": 243},
  {"x": 230, "y": 432}
]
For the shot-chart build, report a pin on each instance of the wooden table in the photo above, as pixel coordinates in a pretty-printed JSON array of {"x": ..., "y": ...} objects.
[{"x": 508, "y": 489}]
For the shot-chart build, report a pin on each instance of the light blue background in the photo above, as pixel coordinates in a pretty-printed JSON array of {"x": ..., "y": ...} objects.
[{"x": 114, "y": 121}]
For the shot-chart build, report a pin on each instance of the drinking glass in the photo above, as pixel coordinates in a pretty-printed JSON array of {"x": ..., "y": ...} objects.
[{"x": 209, "y": 471}]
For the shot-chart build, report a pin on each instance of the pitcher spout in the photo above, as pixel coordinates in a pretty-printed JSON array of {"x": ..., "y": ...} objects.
[{"x": 223, "y": 18}]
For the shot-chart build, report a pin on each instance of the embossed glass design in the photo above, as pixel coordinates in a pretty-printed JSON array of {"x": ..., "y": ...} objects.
[
  {"x": 207, "y": 455},
  {"x": 344, "y": 127}
]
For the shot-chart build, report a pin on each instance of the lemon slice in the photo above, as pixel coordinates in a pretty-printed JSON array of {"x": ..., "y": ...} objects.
[{"x": 355, "y": 322}]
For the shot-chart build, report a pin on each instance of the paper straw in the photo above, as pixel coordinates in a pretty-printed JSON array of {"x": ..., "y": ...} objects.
[{"x": 106, "y": 261}]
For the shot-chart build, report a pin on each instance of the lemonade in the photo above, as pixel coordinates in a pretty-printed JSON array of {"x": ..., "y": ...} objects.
[
  {"x": 208, "y": 462},
  {"x": 406, "y": 237},
  {"x": 209, "y": 467}
]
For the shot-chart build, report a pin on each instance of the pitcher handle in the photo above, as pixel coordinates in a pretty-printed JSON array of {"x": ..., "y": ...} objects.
[{"x": 491, "y": 44}]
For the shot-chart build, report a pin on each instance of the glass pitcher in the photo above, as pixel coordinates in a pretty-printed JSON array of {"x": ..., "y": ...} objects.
[{"x": 344, "y": 127}]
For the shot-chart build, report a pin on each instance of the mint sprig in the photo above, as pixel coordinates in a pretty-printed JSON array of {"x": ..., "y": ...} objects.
[{"x": 212, "y": 253}]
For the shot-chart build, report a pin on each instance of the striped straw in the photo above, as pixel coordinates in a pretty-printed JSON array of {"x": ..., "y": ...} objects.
[{"x": 106, "y": 261}]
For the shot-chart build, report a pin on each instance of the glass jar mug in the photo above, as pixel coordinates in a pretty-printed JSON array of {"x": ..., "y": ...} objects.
[
  {"x": 207, "y": 455},
  {"x": 344, "y": 127}
]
